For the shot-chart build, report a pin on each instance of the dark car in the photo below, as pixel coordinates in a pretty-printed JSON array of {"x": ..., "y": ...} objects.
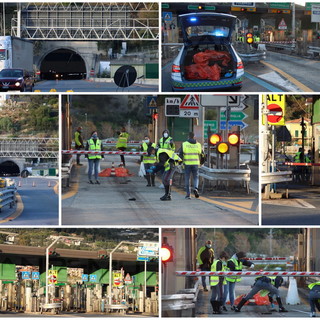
[
  {"x": 207, "y": 61},
  {"x": 16, "y": 79}
]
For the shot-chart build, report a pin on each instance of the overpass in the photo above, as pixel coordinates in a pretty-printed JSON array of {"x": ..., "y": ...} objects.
[{"x": 68, "y": 36}]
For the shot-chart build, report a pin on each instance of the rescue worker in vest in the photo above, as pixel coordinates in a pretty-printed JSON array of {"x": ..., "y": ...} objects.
[
  {"x": 94, "y": 144},
  {"x": 166, "y": 142},
  {"x": 262, "y": 283},
  {"x": 217, "y": 283},
  {"x": 148, "y": 160},
  {"x": 205, "y": 259},
  {"x": 314, "y": 296},
  {"x": 193, "y": 156},
  {"x": 167, "y": 161},
  {"x": 299, "y": 157},
  {"x": 277, "y": 282},
  {"x": 122, "y": 143},
  {"x": 78, "y": 140},
  {"x": 234, "y": 264}
]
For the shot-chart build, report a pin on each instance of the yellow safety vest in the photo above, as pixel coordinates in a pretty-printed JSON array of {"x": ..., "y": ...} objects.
[
  {"x": 94, "y": 147},
  {"x": 122, "y": 140},
  {"x": 76, "y": 138},
  {"x": 199, "y": 254},
  {"x": 214, "y": 280},
  {"x": 146, "y": 158},
  {"x": 166, "y": 144},
  {"x": 171, "y": 155},
  {"x": 238, "y": 267},
  {"x": 297, "y": 157},
  {"x": 191, "y": 153},
  {"x": 311, "y": 285}
]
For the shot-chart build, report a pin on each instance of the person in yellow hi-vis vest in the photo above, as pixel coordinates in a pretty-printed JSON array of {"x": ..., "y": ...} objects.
[
  {"x": 205, "y": 257},
  {"x": 94, "y": 144},
  {"x": 148, "y": 160},
  {"x": 192, "y": 155},
  {"x": 314, "y": 297},
  {"x": 217, "y": 283},
  {"x": 122, "y": 143},
  {"x": 78, "y": 141}
]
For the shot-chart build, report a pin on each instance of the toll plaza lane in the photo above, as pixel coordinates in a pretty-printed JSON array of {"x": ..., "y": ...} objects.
[
  {"x": 38, "y": 202},
  {"x": 89, "y": 86},
  {"x": 119, "y": 200}
]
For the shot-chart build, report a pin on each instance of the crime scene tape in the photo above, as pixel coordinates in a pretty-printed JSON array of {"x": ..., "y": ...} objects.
[
  {"x": 248, "y": 273},
  {"x": 104, "y": 152}
]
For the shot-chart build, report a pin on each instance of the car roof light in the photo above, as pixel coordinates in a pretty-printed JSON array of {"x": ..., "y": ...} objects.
[{"x": 193, "y": 19}]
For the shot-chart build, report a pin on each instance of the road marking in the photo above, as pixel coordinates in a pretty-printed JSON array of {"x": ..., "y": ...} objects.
[
  {"x": 55, "y": 188},
  {"x": 261, "y": 82},
  {"x": 18, "y": 211},
  {"x": 73, "y": 191},
  {"x": 287, "y": 76},
  {"x": 296, "y": 203},
  {"x": 243, "y": 204},
  {"x": 299, "y": 311}
]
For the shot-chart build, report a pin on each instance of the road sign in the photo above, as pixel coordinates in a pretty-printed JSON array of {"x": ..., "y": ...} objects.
[
  {"x": 309, "y": 5},
  {"x": 240, "y": 107},
  {"x": 150, "y": 249},
  {"x": 85, "y": 277},
  {"x": 117, "y": 279},
  {"x": 276, "y": 106},
  {"x": 234, "y": 101},
  {"x": 141, "y": 258},
  {"x": 127, "y": 279},
  {"x": 172, "y": 107},
  {"x": 213, "y": 127},
  {"x": 280, "y": 5},
  {"x": 93, "y": 278},
  {"x": 25, "y": 275},
  {"x": 35, "y": 275},
  {"x": 152, "y": 102},
  {"x": 167, "y": 16},
  {"x": 282, "y": 25},
  {"x": 234, "y": 115},
  {"x": 243, "y": 4},
  {"x": 53, "y": 273},
  {"x": 315, "y": 13},
  {"x": 241, "y": 124},
  {"x": 189, "y": 107}
]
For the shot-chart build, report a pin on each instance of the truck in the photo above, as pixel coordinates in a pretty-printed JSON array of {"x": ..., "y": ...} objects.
[{"x": 16, "y": 53}]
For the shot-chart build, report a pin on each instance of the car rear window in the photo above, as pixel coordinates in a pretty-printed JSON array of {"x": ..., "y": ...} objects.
[
  {"x": 198, "y": 31},
  {"x": 11, "y": 73}
]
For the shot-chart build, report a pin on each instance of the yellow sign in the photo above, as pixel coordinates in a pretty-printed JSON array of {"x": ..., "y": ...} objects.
[
  {"x": 276, "y": 106},
  {"x": 117, "y": 279},
  {"x": 53, "y": 273}
]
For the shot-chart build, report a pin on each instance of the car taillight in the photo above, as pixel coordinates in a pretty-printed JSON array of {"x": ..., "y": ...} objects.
[
  {"x": 175, "y": 68},
  {"x": 240, "y": 65}
]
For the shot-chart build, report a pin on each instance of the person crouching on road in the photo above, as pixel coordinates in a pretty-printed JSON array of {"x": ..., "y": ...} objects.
[
  {"x": 148, "y": 160},
  {"x": 167, "y": 160},
  {"x": 262, "y": 283},
  {"x": 314, "y": 297},
  {"x": 94, "y": 144},
  {"x": 234, "y": 264},
  {"x": 192, "y": 155},
  {"x": 218, "y": 283}
]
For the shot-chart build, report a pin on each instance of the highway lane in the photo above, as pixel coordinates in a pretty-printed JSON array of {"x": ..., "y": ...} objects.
[
  {"x": 118, "y": 201},
  {"x": 40, "y": 205},
  {"x": 90, "y": 86}
]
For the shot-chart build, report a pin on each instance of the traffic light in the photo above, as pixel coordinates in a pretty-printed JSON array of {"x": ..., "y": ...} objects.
[
  {"x": 249, "y": 38},
  {"x": 279, "y": 11},
  {"x": 155, "y": 115},
  {"x": 243, "y": 9},
  {"x": 234, "y": 138},
  {"x": 102, "y": 254},
  {"x": 53, "y": 253},
  {"x": 222, "y": 148},
  {"x": 214, "y": 139},
  {"x": 166, "y": 253}
]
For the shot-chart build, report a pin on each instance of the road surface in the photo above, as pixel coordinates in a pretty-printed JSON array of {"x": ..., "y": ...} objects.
[
  {"x": 127, "y": 201},
  {"x": 38, "y": 203}
]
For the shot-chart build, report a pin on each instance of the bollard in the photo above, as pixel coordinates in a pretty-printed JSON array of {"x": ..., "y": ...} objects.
[
  {"x": 33, "y": 183},
  {"x": 49, "y": 184}
]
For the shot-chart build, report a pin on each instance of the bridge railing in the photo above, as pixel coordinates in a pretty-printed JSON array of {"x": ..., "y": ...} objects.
[{"x": 7, "y": 197}]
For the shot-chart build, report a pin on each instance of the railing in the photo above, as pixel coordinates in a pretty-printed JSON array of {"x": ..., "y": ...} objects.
[
  {"x": 276, "y": 177},
  {"x": 241, "y": 175},
  {"x": 7, "y": 197}
]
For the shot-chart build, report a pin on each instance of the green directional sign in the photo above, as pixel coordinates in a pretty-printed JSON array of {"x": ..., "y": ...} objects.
[
  {"x": 280, "y": 5},
  {"x": 200, "y": 7},
  {"x": 309, "y": 5},
  {"x": 234, "y": 115},
  {"x": 213, "y": 127},
  {"x": 165, "y": 6}
]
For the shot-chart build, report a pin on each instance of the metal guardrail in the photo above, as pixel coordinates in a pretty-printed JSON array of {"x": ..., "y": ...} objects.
[
  {"x": 241, "y": 175},
  {"x": 54, "y": 307},
  {"x": 282, "y": 46},
  {"x": 314, "y": 50},
  {"x": 276, "y": 177},
  {"x": 7, "y": 197},
  {"x": 252, "y": 57}
]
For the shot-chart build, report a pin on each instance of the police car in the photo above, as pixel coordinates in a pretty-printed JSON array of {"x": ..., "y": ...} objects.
[{"x": 207, "y": 60}]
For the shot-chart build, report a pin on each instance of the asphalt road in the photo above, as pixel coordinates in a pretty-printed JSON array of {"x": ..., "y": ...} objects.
[
  {"x": 112, "y": 202},
  {"x": 279, "y": 72},
  {"x": 302, "y": 207},
  {"x": 89, "y": 86},
  {"x": 39, "y": 203}
]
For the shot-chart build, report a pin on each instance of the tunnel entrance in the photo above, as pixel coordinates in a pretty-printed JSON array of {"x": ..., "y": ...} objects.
[
  {"x": 9, "y": 168},
  {"x": 63, "y": 64}
]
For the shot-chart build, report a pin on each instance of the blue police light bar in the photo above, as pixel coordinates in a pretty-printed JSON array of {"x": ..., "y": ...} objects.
[{"x": 193, "y": 19}]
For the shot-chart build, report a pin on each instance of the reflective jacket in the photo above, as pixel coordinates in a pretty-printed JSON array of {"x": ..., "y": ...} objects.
[
  {"x": 171, "y": 155},
  {"x": 214, "y": 280},
  {"x": 238, "y": 267},
  {"x": 166, "y": 143},
  {"x": 146, "y": 158},
  {"x": 205, "y": 256},
  {"x": 297, "y": 157},
  {"x": 122, "y": 140},
  {"x": 191, "y": 153},
  {"x": 94, "y": 147},
  {"x": 78, "y": 139},
  {"x": 311, "y": 285}
]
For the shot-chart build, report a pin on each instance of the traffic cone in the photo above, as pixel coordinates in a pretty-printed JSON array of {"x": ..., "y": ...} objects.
[
  {"x": 292, "y": 296},
  {"x": 49, "y": 183},
  {"x": 113, "y": 171},
  {"x": 33, "y": 183},
  {"x": 19, "y": 184}
]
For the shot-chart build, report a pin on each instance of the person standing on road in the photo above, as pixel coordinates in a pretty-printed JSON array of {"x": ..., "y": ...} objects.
[
  {"x": 122, "y": 143},
  {"x": 234, "y": 264},
  {"x": 149, "y": 160},
  {"x": 314, "y": 296},
  {"x": 166, "y": 142},
  {"x": 205, "y": 257},
  {"x": 262, "y": 283},
  {"x": 167, "y": 162},
  {"x": 78, "y": 140},
  {"x": 192, "y": 155},
  {"x": 94, "y": 144},
  {"x": 217, "y": 283}
]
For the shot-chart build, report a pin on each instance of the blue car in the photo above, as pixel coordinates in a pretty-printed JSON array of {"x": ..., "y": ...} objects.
[{"x": 207, "y": 60}]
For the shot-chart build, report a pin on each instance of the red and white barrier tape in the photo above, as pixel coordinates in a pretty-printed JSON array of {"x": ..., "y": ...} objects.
[
  {"x": 104, "y": 152},
  {"x": 247, "y": 273},
  {"x": 302, "y": 164},
  {"x": 268, "y": 259}
]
